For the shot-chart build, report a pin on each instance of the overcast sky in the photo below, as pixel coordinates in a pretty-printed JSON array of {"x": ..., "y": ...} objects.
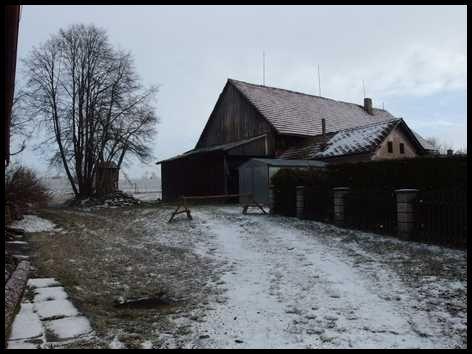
[{"x": 413, "y": 59}]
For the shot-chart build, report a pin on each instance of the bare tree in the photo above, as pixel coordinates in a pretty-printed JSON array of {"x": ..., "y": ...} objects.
[
  {"x": 91, "y": 99},
  {"x": 440, "y": 147},
  {"x": 21, "y": 128}
]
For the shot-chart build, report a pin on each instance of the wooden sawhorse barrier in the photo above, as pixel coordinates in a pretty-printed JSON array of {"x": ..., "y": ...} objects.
[{"x": 183, "y": 206}]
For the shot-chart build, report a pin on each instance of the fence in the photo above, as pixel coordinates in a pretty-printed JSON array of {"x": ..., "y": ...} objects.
[
  {"x": 284, "y": 201},
  {"x": 441, "y": 217},
  {"x": 318, "y": 203},
  {"x": 371, "y": 210},
  {"x": 438, "y": 217}
]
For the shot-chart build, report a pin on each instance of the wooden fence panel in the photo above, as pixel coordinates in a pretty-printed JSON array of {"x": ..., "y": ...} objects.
[
  {"x": 285, "y": 201},
  {"x": 371, "y": 210},
  {"x": 318, "y": 204},
  {"x": 441, "y": 217}
]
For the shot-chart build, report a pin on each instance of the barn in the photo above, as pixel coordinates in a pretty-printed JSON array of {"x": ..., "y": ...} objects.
[{"x": 255, "y": 121}]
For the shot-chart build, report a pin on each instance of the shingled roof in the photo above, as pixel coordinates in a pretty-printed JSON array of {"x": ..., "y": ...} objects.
[
  {"x": 296, "y": 113},
  {"x": 358, "y": 140}
]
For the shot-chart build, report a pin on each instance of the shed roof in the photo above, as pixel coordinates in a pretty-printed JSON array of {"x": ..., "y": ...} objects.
[
  {"x": 286, "y": 163},
  {"x": 222, "y": 147},
  {"x": 296, "y": 113}
]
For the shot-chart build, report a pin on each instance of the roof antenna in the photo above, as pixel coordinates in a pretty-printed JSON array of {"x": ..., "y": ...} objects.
[
  {"x": 263, "y": 68},
  {"x": 319, "y": 81},
  {"x": 363, "y": 87}
]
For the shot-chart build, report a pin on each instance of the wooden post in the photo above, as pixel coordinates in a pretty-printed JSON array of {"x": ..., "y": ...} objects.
[
  {"x": 406, "y": 212},
  {"x": 339, "y": 196},
  {"x": 271, "y": 199},
  {"x": 300, "y": 201}
]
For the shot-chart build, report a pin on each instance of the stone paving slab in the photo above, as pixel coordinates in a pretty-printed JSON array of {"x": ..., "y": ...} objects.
[
  {"x": 56, "y": 308},
  {"x": 49, "y": 294},
  {"x": 42, "y": 282},
  {"x": 69, "y": 327},
  {"x": 51, "y": 320},
  {"x": 21, "y": 344},
  {"x": 26, "y": 324}
]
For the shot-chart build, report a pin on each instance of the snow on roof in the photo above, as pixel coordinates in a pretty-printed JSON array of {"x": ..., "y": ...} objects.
[
  {"x": 293, "y": 112},
  {"x": 425, "y": 143},
  {"x": 358, "y": 140}
]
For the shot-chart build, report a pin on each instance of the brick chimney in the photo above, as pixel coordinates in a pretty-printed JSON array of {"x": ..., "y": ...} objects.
[{"x": 368, "y": 105}]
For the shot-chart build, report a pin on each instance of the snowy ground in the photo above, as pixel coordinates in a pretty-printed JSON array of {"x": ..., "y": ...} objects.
[
  {"x": 253, "y": 281},
  {"x": 33, "y": 223}
]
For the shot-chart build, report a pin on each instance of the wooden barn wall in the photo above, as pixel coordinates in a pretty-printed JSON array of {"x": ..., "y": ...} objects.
[
  {"x": 200, "y": 174},
  {"x": 234, "y": 119},
  {"x": 256, "y": 148}
]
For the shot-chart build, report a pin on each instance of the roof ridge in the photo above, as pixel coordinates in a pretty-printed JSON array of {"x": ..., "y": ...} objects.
[
  {"x": 301, "y": 93},
  {"x": 391, "y": 120}
]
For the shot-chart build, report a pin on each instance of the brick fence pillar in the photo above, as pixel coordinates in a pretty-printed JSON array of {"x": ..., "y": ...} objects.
[
  {"x": 406, "y": 211},
  {"x": 339, "y": 195},
  {"x": 270, "y": 198},
  {"x": 300, "y": 201}
]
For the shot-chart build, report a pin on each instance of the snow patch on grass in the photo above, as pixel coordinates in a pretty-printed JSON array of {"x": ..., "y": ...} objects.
[
  {"x": 33, "y": 223},
  {"x": 117, "y": 344}
]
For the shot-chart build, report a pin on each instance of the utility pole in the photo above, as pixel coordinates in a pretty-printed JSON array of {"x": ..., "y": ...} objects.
[{"x": 263, "y": 68}]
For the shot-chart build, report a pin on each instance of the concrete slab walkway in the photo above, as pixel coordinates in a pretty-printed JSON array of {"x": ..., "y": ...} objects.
[{"x": 47, "y": 318}]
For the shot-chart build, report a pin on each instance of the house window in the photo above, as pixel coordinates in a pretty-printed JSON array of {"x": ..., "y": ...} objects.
[
  {"x": 402, "y": 148},
  {"x": 390, "y": 147}
]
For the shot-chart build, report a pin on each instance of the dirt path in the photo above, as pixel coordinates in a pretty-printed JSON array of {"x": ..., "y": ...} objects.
[
  {"x": 287, "y": 287},
  {"x": 253, "y": 281}
]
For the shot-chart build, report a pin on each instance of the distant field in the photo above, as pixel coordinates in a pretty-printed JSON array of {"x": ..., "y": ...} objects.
[{"x": 142, "y": 188}]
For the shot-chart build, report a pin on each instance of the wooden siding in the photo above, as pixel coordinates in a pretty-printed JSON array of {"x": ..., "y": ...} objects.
[
  {"x": 256, "y": 148},
  {"x": 234, "y": 119}
]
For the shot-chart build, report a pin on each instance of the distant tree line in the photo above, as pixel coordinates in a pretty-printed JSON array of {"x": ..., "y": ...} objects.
[{"x": 442, "y": 148}]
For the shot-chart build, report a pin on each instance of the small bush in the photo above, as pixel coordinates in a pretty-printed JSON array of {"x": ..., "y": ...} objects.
[{"x": 23, "y": 190}]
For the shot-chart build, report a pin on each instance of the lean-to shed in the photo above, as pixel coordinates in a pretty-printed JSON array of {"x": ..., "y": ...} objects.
[{"x": 255, "y": 175}]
